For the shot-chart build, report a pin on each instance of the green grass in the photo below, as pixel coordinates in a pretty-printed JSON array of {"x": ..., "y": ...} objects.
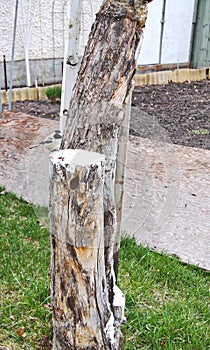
[
  {"x": 167, "y": 302},
  {"x": 199, "y": 132},
  {"x": 25, "y": 319}
]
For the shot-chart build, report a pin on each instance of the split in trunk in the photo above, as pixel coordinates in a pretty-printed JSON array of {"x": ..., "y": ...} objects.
[{"x": 98, "y": 121}]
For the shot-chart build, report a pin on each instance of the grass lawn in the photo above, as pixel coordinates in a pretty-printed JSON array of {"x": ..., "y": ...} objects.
[{"x": 167, "y": 302}]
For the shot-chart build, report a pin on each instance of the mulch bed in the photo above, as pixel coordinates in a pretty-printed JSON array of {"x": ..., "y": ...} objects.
[
  {"x": 181, "y": 109},
  {"x": 42, "y": 108}
]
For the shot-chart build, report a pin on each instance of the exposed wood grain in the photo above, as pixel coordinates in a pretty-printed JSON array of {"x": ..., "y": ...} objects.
[
  {"x": 78, "y": 280},
  {"x": 98, "y": 121}
]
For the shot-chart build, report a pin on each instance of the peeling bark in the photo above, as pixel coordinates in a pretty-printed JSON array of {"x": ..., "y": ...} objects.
[
  {"x": 78, "y": 280},
  {"x": 98, "y": 121},
  {"x": 98, "y": 106}
]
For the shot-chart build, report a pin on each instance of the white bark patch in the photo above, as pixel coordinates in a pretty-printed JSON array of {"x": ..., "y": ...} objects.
[
  {"x": 110, "y": 329},
  {"x": 119, "y": 305},
  {"x": 119, "y": 297}
]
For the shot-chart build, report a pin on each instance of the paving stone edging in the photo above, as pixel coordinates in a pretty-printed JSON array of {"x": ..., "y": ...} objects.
[
  {"x": 175, "y": 76},
  {"x": 26, "y": 93}
]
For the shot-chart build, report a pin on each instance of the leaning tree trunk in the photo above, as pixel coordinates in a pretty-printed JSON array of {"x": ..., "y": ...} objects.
[{"x": 96, "y": 123}]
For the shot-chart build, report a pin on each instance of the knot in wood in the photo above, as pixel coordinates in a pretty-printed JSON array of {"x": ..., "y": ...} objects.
[{"x": 136, "y": 10}]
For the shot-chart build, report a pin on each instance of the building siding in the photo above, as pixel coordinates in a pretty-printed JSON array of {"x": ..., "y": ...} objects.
[
  {"x": 201, "y": 40},
  {"x": 176, "y": 33}
]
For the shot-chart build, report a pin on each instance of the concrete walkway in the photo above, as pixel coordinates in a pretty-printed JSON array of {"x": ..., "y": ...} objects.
[
  {"x": 167, "y": 202},
  {"x": 167, "y": 199}
]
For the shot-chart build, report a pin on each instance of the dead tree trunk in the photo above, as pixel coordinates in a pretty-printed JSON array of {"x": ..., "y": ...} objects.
[
  {"x": 78, "y": 284},
  {"x": 99, "y": 101},
  {"x": 96, "y": 123}
]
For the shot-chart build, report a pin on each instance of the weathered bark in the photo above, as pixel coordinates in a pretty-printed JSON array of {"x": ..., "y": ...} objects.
[
  {"x": 97, "y": 123},
  {"x": 78, "y": 284},
  {"x": 97, "y": 109}
]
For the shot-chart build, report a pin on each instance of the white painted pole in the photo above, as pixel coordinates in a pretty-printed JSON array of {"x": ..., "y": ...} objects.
[
  {"x": 28, "y": 14},
  {"x": 12, "y": 59},
  {"x": 71, "y": 58},
  {"x": 28, "y": 74},
  {"x": 1, "y": 79},
  {"x": 0, "y": 95},
  {"x": 80, "y": 13}
]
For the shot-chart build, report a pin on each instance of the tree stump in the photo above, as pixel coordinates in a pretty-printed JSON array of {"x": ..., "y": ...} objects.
[
  {"x": 97, "y": 121},
  {"x": 82, "y": 318},
  {"x": 99, "y": 109}
]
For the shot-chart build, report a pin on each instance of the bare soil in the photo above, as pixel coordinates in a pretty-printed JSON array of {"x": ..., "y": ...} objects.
[
  {"x": 42, "y": 108},
  {"x": 182, "y": 110}
]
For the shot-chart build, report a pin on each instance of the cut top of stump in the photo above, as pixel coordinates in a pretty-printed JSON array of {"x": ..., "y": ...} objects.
[{"x": 71, "y": 158}]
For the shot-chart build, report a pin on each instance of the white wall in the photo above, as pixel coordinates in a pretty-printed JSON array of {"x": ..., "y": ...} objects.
[
  {"x": 46, "y": 41},
  {"x": 149, "y": 53},
  {"x": 176, "y": 35},
  {"x": 40, "y": 23},
  {"x": 177, "y": 31}
]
